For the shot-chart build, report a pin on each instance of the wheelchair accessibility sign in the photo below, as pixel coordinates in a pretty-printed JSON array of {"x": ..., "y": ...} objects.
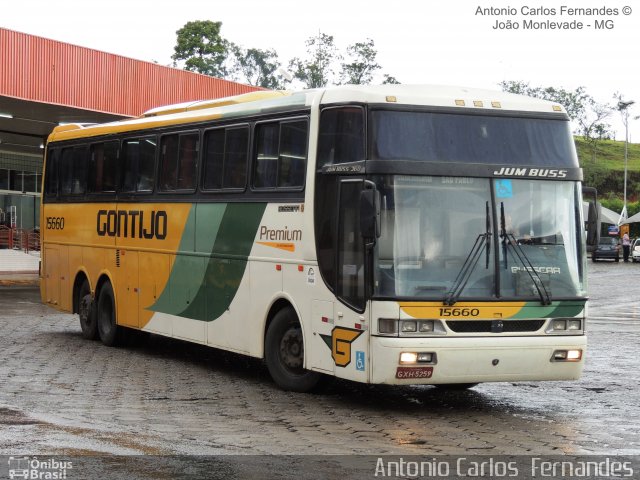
[{"x": 360, "y": 361}]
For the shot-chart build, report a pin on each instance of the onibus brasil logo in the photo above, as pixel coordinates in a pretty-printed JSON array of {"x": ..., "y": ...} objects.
[{"x": 33, "y": 468}]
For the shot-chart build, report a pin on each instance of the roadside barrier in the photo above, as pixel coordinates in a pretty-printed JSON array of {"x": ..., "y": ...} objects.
[{"x": 19, "y": 239}]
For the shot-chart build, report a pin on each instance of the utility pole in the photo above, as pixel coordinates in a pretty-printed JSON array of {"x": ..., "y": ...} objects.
[{"x": 623, "y": 108}]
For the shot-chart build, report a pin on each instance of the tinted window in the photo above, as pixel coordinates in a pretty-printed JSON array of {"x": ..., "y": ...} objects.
[
  {"x": 281, "y": 154},
  {"x": 235, "y": 160},
  {"x": 138, "y": 164},
  {"x": 225, "y": 162},
  {"x": 444, "y": 137},
  {"x": 179, "y": 157},
  {"x": 51, "y": 181},
  {"x": 73, "y": 170},
  {"x": 351, "y": 274},
  {"x": 293, "y": 154},
  {"x": 341, "y": 136},
  {"x": 266, "y": 166},
  {"x": 103, "y": 167}
]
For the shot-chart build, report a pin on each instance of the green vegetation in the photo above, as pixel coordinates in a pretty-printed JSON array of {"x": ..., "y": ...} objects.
[{"x": 605, "y": 170}]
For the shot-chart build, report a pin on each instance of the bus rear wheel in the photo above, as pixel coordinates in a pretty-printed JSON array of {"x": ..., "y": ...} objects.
[
  {"x": 87, "y": 312},
  {"x": 107, "y": 327},
  {"x": 284, "y": 353}
]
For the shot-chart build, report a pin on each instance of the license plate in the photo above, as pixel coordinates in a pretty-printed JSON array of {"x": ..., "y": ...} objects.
[{"x": 407, "y": 373}]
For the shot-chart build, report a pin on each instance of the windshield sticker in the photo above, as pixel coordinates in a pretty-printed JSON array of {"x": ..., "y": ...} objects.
[{"x": 504, "y": 189}]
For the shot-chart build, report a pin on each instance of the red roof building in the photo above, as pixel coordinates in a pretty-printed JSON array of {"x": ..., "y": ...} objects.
[{"x": 45, "y": 82}]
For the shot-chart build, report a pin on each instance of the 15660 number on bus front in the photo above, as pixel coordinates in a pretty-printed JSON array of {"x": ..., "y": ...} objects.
[
  {"x": 459, "y": 312},
  {"x": 55, "y": 223}
]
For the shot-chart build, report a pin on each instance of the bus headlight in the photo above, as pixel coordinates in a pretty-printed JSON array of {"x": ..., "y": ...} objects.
[
  {"x": 565, "y": 326},
  {"x": 425, "y": 326},
  {"x": 559, "y": 324},
  {"x": 574, "y": 325},
  {"x": 409, "y": 326}
]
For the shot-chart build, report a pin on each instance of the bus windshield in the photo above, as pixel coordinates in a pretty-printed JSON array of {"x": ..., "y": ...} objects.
[{"x": 510, "y": 239}]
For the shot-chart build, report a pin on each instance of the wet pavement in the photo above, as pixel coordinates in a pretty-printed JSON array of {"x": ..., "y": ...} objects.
[{"x": 60, "y": 394}]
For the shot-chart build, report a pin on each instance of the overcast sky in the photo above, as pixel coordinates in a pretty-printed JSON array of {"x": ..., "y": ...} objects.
[{"x": 418, "y": 41}]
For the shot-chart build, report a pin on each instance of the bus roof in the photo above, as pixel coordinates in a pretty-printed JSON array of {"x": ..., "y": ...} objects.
[{"x": 273, "y": 101}]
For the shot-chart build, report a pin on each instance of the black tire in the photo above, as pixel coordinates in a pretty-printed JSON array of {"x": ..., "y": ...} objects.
[
  {"x": 107, "y": 327},
  {"x": 594, "y": 259},
  {"x": 87, "y": 312},
  {"x": 456, "y": 386},
  {"x": 284, "y": 354}
]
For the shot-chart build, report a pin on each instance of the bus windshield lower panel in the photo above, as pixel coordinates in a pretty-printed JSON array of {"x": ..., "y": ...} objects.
[{"x": 457, "y": 238}]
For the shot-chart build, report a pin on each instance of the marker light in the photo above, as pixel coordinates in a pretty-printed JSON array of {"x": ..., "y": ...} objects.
[
  {"x": 387, "y": 326},
  {"x": 425, "y": 357}
]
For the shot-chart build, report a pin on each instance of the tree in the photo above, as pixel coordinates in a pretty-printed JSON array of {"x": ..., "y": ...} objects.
[
  {"x": 317, "y": 69},
  {"x": 587, "y": 115},
  {"x": 390, "y": 80},
  {"x": 593, "y": 126},
  {"x": 202, "y": 48},
  {"x": 258, "y": 67},
  {"x": 362, "y": 64},
  {"x": 574, "y": 102}
]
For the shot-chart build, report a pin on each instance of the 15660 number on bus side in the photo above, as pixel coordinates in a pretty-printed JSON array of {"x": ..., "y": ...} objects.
[{"x": 55, "y": 223}]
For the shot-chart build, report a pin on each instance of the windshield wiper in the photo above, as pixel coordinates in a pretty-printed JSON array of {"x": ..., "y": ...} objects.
[
  {"x": 510, "y": 239},
  {"x": 470, "y": 263}
]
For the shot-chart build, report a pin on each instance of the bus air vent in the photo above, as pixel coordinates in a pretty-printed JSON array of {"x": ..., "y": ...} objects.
[{"x": 487, "y": 326}]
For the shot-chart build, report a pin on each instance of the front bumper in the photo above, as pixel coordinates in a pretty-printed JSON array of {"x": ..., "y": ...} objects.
[{"x": 473, "y": 359}]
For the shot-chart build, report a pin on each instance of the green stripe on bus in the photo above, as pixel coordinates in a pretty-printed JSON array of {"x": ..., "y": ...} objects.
[
  {"x": 556, "y": 309},
  {"x": 202, "y": 288}
]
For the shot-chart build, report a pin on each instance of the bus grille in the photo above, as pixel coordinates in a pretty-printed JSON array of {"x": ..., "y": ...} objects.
[{"x": 495, "y": 326}]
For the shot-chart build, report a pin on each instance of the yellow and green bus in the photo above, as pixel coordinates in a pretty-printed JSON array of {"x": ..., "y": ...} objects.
[{"x": 382, "y": 234}]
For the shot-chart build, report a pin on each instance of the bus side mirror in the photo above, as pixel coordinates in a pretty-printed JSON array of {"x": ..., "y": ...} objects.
[
  {"x": 370, "y": 214},
  {"x": 593, "y": 226}
]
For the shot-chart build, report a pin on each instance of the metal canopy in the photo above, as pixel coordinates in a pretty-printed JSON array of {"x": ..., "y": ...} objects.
[{"x": 25, "y": 125}]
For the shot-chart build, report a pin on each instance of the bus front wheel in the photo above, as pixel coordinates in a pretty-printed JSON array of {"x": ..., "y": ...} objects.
[
  {"x": 284, "y": 353},
  {"x": 87, "y": 312},
  {"x": 107, "y": 327}
]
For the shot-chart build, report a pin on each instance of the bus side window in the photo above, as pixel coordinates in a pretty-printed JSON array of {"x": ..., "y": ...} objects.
[
  {"x": 102, "y": 167},
  {"x": 341, "y": 136},
  {"x": 51, "y": 177},
  {"x": 266, "y": 166},
  {"x": 168, "y": 162},
  {"x": 213, "y": 159},
  {"x": 281, "y": 154},
  {"x": 73, "y": 170},
  {"x": 225, "y": 158},
  {"x": 178, "y": 158},
  {"x": 293, "y": 154},
  {"x": 187, "y": 161},
  {"x": 235, "y": 157},
  {"x": 138, "y": 164}
]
